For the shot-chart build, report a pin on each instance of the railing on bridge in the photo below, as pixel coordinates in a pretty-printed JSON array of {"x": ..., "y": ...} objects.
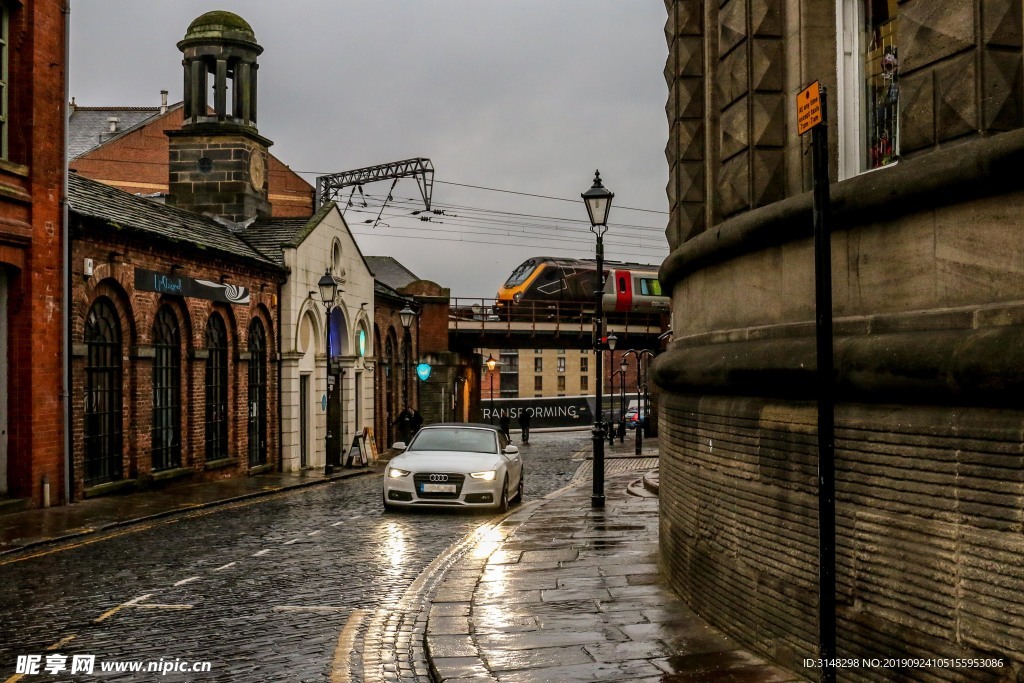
[{"x": 491, "y": 315}]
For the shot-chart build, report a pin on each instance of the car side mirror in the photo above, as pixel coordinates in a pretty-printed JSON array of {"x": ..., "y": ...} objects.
[
  {"x": 511, "y": 450},
  {"x": 399, "y": 446}
]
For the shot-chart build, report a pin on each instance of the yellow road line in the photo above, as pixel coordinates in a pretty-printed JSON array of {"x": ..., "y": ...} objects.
[{"x": 340, "y": 672}]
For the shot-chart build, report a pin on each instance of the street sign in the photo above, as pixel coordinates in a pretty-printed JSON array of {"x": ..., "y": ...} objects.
[
  {"x": 423, "y": 371},
  {"x": 808, "y": 108}
]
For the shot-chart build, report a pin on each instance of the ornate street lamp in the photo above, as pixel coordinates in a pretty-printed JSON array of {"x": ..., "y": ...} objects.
[
  {"x": 490, "y": 367},
  {"x": 598, "y": 201},
  {"x": 406, "y": 315},
  {"x": 328, "y": 292}
]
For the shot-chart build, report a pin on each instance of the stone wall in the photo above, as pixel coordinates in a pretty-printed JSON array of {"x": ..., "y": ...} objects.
[
  {"x": 929, "y": 340},
  {"x": 928, "y": 528}
]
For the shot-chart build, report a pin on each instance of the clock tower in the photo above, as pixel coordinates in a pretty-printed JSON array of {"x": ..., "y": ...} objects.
[{"x": 218, "y": 160}]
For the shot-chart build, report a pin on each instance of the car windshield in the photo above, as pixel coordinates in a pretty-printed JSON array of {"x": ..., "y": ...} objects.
[{"x": 455, "y": 439}]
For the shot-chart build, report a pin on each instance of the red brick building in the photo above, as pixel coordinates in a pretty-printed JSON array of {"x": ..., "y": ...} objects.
[
  {"x": 127, "y": 148},
  {"x": 174, "y": 345},
  {"x": 32, "y": 303},
  {"x": 174, "y": 319}
]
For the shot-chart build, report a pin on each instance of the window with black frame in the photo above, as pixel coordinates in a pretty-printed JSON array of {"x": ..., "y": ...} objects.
[
  {"x": 166, "y": 437},
  {"x": 216, "y": 389},
  {"x": 103, "y": 387},
  {"x": 257, "y": 394}
]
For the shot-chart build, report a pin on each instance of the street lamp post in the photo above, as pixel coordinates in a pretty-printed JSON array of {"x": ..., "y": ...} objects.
[
  {"x": 490, "y": 367},
  {"x": 612, "y": 341},
  {"x": 623, "y": 366},
  {"x": 614, "y": 426},
  {"x": 406, "y": 315},
  {"x": 643, "y": 405},
  {"x": 328, "y": 291},
  {"x": 598, "y": 201}
]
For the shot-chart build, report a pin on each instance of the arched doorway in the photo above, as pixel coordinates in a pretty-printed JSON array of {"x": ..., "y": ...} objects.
[
  {"x": 166, "y": 430},
  {"x": 103, "y": 387},
  {"x": 337, "y": 345},
  {"x": 257, "y": 394},
  {"x": 216, "y": 389}
]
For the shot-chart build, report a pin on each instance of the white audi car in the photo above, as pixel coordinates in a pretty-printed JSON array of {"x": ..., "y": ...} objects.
[{"x": 448, "y": 465}]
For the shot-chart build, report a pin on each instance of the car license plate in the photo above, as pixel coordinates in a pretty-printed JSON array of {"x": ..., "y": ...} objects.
[{"x": 437, "y": 488}]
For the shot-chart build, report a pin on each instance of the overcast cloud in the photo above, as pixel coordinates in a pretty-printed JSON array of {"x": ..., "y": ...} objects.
[{"x": 523, "y": 95}]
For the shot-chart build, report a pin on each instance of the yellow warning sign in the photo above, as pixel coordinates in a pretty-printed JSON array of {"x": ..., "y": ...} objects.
[{"x": 808, "y": 108}]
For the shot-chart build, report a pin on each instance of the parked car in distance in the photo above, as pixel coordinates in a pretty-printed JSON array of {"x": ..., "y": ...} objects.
[
  {"x": 633, "y": 418},
  {"x": 455, "y": 465}
]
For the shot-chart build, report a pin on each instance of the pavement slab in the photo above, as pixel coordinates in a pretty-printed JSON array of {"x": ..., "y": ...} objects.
[{"x": 562, "y": 592}]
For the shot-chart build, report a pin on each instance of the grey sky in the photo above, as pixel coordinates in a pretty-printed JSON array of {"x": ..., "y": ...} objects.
[{"x": 523, "y": 95}]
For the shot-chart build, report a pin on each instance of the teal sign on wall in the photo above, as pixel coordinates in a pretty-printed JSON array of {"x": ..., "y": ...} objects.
[
  {"x": 362, "y": 342},
  {"x": 423, "y": 371}
]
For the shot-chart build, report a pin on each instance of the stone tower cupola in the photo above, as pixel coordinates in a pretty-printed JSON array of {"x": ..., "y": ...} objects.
[{"x": 218, "y": 160}]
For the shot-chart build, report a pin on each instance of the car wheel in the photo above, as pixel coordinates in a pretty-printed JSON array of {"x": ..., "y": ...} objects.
[{"x": 503, "y": 503}]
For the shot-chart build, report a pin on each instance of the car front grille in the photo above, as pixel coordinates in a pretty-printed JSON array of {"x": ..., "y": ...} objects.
[{"x": 425, "y": 478}]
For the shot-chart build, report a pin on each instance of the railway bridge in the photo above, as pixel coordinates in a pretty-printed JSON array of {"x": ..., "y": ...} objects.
[{"x": 490, "y": 323}]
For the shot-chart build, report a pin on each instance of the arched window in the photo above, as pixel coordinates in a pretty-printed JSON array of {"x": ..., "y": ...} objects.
[
  {"x": 166, "y": 391},
  {"x": 216, "y": 389},
  {"x": 257, "y": 394},
  {"x": 103, "y": 372}
]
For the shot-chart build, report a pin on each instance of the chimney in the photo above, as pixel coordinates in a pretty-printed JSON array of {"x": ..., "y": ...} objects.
[
  {"x": 163, "y": 101},
  {"x": 113, "y": 121}
]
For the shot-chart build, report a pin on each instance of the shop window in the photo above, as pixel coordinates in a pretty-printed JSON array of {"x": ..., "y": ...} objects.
[
  {"x": 868, "y": 88},
  {"x": 257, "y": 394},
  {"x": 166, "y": 435},
  {"x": 216, "y": 389},
  {"x": 103, "y": 387}
]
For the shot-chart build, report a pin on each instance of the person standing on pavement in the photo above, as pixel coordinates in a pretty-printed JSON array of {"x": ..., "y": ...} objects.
[
  {"x": 404, "y": 421},
  {"x": 524, "y": 424}
]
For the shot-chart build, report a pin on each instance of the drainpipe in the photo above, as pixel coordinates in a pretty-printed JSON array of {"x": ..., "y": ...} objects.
[{"x": 66, "y": 255}]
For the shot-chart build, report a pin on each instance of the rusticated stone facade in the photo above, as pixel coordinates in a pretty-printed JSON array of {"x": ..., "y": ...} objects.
[{"x": 928, "y": 304}]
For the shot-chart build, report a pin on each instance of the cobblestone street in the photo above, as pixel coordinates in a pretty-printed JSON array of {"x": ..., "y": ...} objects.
[{"x": 262, "y": 589}]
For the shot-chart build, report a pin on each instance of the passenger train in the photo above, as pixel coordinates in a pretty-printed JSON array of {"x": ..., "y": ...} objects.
[{"x": 629, "y": 287}]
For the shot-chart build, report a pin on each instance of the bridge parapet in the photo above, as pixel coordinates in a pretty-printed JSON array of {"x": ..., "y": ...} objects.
[{"x": 490, "y": 322}]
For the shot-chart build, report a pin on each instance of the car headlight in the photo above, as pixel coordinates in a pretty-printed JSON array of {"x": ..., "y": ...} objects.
[
  {"x": 486, "y": 476},
  {"x": 396, "y": 473}
]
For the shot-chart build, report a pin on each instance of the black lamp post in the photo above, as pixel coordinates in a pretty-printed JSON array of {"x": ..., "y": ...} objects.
[
  {"x": 623, "y": 366},
  {"x": 614, "y": 426},
  {"x": 598, "y": 201},
  {"x": 647, "y": 397},
  {"x": 406, "y": 315},
  {"x": 328, "y": 291},
  {"x": 612, "y": 341},
  {"x": 490, "y": 367}
]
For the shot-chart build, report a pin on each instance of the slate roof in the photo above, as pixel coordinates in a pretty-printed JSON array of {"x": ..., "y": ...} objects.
[
  {"x": 89, "y": 128},
  {"x": 389, "y": 271},
  {"x": 269, "y": 237},
  {"x": 273, "y": 235},
  {"x": 129, "y": 212}
]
